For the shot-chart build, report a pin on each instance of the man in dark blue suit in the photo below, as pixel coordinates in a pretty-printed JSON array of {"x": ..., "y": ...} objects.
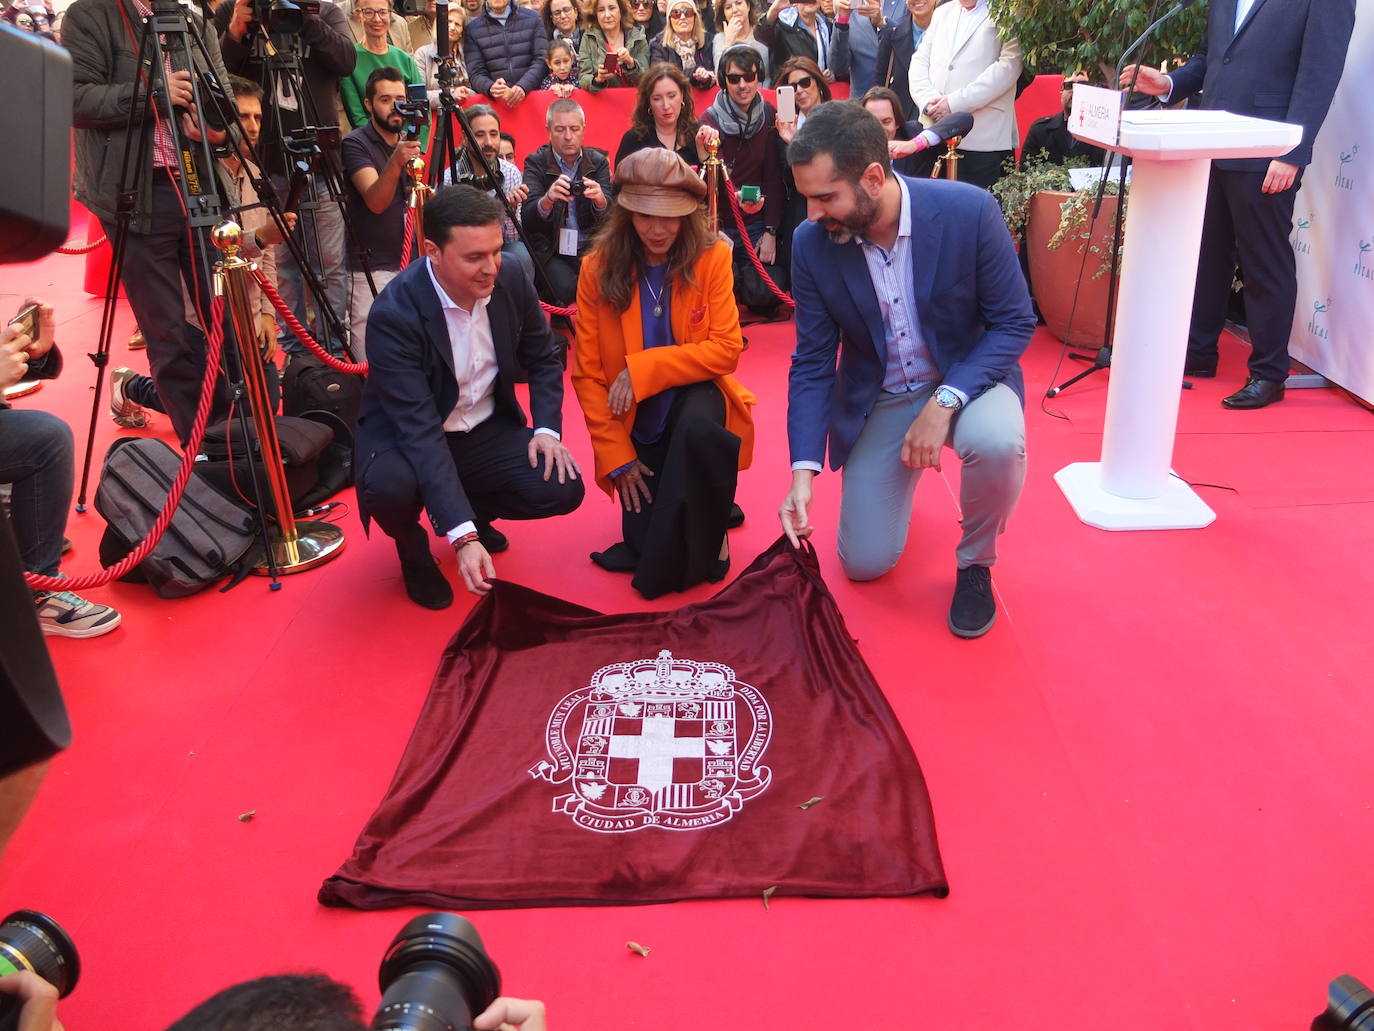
[
  {"x": 440, "y": 427},
  {"x": 1276, "y": 59},
  {"x": 914, "y": 285}
]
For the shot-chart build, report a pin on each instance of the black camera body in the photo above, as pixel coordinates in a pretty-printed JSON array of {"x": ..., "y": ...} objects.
[
  {"x": 577, "y": 187},
  {"x": 284, "y": 16},
  {"x": 414, "y": 109}
]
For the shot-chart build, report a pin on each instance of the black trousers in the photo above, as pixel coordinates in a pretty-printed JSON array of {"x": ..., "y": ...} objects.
[
  {"x": 982, "y": 168},
  {"x": 155, "y": 266},
  {"x": 677, "y": 535},
  {"x": 561, "y": 273},
  {"x": 492, "y": 463},
  {"x": 1242, "y": 224}
]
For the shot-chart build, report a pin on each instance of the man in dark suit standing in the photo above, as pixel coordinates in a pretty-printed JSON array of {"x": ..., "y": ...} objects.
[
  {"x": 440, "y": 427},
  {"x": 1276, "y": 59},
  {"x": 915, "y": 284}
]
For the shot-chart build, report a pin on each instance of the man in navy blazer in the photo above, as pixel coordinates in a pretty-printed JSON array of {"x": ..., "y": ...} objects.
[
  {"x": 1276, "y": 59},
  {"x": 914, "y": 285},
  {"x": 440, "y": 426}
]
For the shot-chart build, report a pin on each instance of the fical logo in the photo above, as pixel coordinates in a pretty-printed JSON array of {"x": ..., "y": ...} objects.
[
  {"x": 1300, "y": 245},
  {"x": 1362, "y": 270},
  {"x": 1344, "y": 178},
  {"x": 1314, "y": 325}
]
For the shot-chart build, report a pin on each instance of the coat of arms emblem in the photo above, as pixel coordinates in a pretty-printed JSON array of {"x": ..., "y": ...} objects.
[{"x": 663, "y": 742}]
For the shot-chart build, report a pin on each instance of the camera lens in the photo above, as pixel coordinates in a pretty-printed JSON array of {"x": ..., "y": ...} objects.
[
  {"x": 35, "y": 941},
  {"x": 435, "y": 975},
  {"x": 1349, "y": 1007}
]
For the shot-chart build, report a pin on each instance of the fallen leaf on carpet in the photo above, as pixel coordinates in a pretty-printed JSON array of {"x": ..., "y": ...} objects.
[
  {"x": 635, "y": 947},
  {"x": 767, "y": 894},
  {"x": 245, "y": 817},
  {"x": 810, "y": 802}
]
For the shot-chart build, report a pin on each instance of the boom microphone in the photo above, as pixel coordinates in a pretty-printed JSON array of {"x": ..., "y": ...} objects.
[{"x": 958, "y": 124}]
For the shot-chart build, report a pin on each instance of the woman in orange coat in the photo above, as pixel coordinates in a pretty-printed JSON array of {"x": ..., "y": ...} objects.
[{"x": 657, "y": 337}]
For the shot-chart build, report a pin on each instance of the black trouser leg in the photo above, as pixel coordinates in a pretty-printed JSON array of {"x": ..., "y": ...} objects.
[
  {"x": 982, "y": 168},
  {"x": 561, "y": 273},
  {"x": 494, "y": 467},
  {"x": 390, "y": 494},
  {"x": 677, "y": 536},
  {"x": 1216, "y": 269},
  {"x": 1268, "y": 267}
]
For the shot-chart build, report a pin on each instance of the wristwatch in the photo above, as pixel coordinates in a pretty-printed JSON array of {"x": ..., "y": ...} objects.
[
  {"x": 946, "y": 398},
  {"x": 771, "y": 230}
]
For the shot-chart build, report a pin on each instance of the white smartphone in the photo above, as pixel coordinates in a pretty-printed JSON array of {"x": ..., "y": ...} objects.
[{"x": 787, "y": 103}]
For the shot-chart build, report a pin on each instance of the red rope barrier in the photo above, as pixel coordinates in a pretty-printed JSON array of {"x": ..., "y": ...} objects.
[
  {"x": 549, "y": 309},
  {"x": 358, "y": 368},
  {"x": 780, "y": 294},
  {"x": 215, "y": 344},
  {"x": 82, "y": 248},
  {"x": 409, "y": 238}
]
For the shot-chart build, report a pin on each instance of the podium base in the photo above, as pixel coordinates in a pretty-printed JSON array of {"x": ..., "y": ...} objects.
[{"x": 1178, "y": 508}]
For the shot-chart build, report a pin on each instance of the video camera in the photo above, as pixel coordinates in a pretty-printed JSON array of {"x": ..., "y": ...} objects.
[
  {"x": 284, "y": 16},
  {"x": 414, "y": 109}
]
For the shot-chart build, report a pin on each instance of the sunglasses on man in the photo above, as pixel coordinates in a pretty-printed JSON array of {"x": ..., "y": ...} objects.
[{"x": 735, "y": 78}]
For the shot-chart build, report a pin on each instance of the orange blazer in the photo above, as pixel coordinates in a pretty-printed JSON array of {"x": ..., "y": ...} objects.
[{"x": 706, "y": 329}]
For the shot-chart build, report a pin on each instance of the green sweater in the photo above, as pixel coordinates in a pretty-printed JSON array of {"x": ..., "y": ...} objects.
[{"x": 353, "y": 87}]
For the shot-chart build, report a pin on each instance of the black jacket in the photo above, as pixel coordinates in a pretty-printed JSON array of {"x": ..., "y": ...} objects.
[
  {"x": 411, "y": 387},
  {"x": 542, "y": 231}
]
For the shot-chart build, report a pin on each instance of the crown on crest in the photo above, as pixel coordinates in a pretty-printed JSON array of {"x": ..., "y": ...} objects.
[{"x": 664, "y": 676}]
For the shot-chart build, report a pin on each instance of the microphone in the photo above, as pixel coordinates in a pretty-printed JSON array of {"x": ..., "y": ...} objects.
[
  {"x": 441, "y": 48},
  {"x": 958, "y": 124},
  {"x": 1180, "y": 6}
]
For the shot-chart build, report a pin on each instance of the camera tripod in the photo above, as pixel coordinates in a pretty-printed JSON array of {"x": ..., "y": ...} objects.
[{"x": 160, "y": 159}]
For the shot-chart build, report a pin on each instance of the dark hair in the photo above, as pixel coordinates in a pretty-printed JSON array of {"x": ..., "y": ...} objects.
[
  {"x": 622, "y": 253},
  {"x": 845, "y": 130},
  {"x": 459, "y": 205},
  {"x": 752, "y": 20},
  {"x": 550, "y": 28},
  {"x": 386, "y": 73},
  {"x": 241, "y": 87},
  {"x": 642, "y": 120},
  {"x": 562, "y": 43},
  {"x": 627, "y": 18},
  {"x": 742, "y": 56},
  {"x": 811, "y": 68},
  {"x": 890, "y": 95},
  {"x": 288, "y": 1002},
  {"x": 509, "y": 137},
  {"x": 482, "y": 111}
]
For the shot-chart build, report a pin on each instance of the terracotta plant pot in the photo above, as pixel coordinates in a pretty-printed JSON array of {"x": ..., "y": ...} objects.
[{"x": 1055, "y": 273}]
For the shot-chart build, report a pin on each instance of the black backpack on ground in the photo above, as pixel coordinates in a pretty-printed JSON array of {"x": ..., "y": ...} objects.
[
  {"x": 209, "y": 533},
  {"x": 302, "y": 442},
  {"x": 309, "y": 385}
]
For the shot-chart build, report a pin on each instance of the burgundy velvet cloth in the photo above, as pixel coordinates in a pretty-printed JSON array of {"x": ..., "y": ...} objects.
[{"x": 565, "y": 757}]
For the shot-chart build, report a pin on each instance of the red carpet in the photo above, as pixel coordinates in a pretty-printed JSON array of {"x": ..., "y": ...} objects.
[{"x": 1153, "y": 780}]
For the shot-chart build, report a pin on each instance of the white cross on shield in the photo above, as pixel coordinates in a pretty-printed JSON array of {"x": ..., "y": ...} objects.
[{"x": 656, "y": 746}]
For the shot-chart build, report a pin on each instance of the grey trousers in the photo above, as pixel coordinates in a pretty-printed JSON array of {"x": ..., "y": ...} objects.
[{"x": 988, "y": 435}]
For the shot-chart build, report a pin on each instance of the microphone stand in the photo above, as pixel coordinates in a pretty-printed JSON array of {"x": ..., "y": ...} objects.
[{"x": 1103, "y": 358}]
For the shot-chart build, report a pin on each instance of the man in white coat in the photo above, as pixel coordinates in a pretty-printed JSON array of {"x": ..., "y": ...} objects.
[{"x": 963, "y": 64}]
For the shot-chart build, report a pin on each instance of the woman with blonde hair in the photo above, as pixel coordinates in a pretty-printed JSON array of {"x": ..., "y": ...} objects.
[
  {"x": 683, "y": 44},
  {"x": 658, "y": 337}
]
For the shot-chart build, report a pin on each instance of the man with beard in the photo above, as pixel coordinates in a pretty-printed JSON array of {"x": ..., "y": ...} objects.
[
  {"x": 485, "y": 124},
  {"x": 914, "y": 284},
  {"x": 749, "y": 146},
  {"x": 374, "y": 158}
]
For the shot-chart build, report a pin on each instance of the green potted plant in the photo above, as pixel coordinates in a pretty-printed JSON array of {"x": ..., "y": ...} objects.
[{"x": 1052, "y": 222}]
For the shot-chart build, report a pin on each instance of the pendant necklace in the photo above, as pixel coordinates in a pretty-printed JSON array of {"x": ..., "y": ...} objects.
[{"x": 658, "y": 297}]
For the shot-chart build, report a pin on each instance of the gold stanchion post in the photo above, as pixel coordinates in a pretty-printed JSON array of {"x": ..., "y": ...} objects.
[
  {"x": 950, "y": 158},
  {"x": 296, "y": 546},
  {"x": 713, "y": 169},
  {"x": 419, "y": 193}
]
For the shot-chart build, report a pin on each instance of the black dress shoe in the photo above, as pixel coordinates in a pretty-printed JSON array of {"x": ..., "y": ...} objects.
[
  {"x": 616, "y": 559},
  {"x": 492, "y": 539},
  {"x": 1199, "y": 371},
  {"x": 719, "y": 571},
  {"x": 736, "y": 517},
  {"x": 426, "y": 585},
  {"x": 973, "y": 610},
  {"x": 1255, "y": 394}
]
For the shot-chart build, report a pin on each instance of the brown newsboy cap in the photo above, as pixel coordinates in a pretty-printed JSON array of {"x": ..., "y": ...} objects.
[{"x": 655, "y": 181}]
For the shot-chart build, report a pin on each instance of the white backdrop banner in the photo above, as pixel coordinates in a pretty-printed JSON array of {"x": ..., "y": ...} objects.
[{"x": 1333, "y": 230}]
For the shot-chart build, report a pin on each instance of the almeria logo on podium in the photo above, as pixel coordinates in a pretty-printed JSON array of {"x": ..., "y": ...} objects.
[{"x": 664, "y": 742}]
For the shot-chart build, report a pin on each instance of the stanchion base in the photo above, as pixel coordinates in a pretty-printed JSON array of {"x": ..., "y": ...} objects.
[
  {"x": 316, "y": 543},
  {"x": 1178, "y": 508}
]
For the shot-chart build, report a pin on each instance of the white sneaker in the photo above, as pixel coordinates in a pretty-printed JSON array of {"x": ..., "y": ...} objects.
[
  {"x": 123, "y": 411},
  {"x": 64, "y": 614}
]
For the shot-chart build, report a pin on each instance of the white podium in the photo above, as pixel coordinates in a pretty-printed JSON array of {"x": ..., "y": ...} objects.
[{"x": 1131, "y": 488}]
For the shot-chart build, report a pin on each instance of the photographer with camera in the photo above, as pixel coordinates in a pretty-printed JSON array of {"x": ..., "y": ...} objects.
[
  {"x": 375, "y": 158},
  {"x": 161, "y": 251},
  {"x": 569, "y": 190},
  {"x": 317, "y": 32},
  {"x": 485, "y": 124}
]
